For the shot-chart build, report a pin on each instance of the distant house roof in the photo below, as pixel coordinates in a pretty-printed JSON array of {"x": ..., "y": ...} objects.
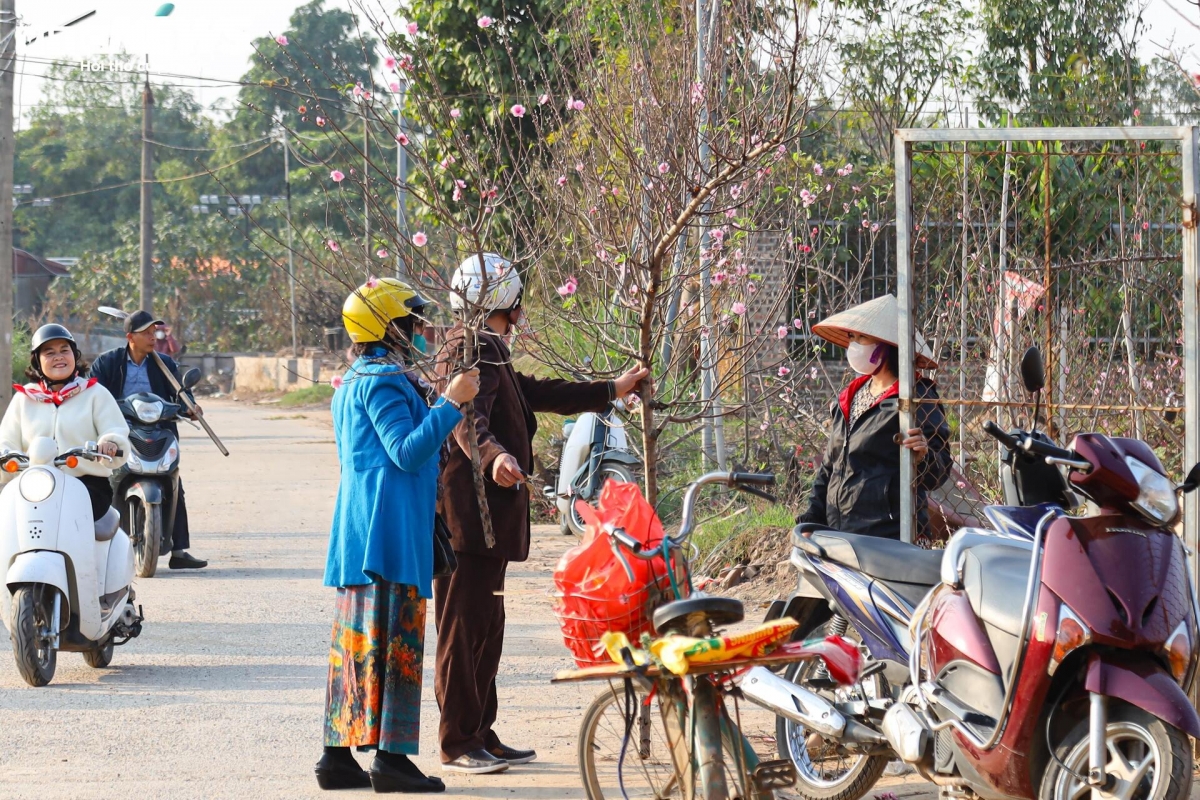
[{"x": 27, "y": 265}]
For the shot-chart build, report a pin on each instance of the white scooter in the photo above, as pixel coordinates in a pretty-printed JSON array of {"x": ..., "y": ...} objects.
[
  {"x": 594, "y": 450},
  {"x": 68, "y": 578}
]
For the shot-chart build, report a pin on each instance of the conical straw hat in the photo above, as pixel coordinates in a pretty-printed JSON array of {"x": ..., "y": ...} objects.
[{"x": 879, "y": 319}]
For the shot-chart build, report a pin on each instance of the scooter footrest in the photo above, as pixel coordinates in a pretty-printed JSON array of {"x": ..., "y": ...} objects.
[{"x": 770, "y": 775}]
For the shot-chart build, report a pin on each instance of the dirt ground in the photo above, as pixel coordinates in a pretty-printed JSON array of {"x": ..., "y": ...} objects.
[{"x": 222, "y": 696}]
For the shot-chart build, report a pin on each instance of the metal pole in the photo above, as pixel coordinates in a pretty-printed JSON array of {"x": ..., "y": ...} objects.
[
  {"x": 8, "y": 47},
  {"x": 401, "y": 179},
  {"x": 287, "y": 185},
  {"x": 1189, "y": 147},
  {"x": 713, "y": 434},
  {"x": 904, "y": 297},
  {"x": 366, "y": 192},
  {"x": 147, "y": 230}
]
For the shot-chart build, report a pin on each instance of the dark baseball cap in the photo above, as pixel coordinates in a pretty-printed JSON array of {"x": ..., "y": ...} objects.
[{"x": 139, "y": 321}]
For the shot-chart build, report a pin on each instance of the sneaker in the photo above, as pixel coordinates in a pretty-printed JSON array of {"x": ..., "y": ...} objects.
[
  {"x": 476, "y": 762},
  {"x": 512, "y": 755}
]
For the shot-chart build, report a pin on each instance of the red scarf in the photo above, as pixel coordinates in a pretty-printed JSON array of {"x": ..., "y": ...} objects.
[{"x": 40, "y": 393}]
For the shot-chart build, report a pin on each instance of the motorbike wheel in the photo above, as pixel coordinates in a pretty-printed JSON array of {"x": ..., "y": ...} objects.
[
  {"x": 31, "y": 615},
  {"x": 1149, "y": 759},
  {"x": 825, "y": 771},
  {"x": 99, "y": 657},
  {"x": 608, "y": 470},
  {"x": 145, "y": 525}
]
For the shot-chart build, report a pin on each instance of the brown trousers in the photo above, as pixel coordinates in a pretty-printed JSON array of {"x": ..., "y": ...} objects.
[{"x": 469, "y": 617}]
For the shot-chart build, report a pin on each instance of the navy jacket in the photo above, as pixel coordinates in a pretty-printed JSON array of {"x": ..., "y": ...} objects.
[{"x": 109, "y": 369}]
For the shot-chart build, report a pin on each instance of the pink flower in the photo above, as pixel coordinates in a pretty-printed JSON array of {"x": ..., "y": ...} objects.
[
  {"x": 357, "y": 91},
  {"x": 717, "y": 278},
  {"x": 405, "y": 62},
  {"x": 784, "y": 372},
  {"x": 337, "y": 175},
  {"x": 372, "y": 282},
  {"x": 829, "y": 187},
  {"x": 332, "y": 245},
  {"x": 518, "y": 110},
  {"x": 336, "y": 382},
  {"x": 575, "y": 105},
  {"x": 419, "y": 239},
  {"x": 961, "y": 484},
  {"x": 382, "y": 252},
  {"x": 1137, "y": 112},
  {"x": 446, "y": 162},
  {"x": 320, "y": 122},
  {"x": 804, "y": 248},
  {"x": 1145, "y": 226},
  {"x": 568, "y": 288},
  {"x": 664, "y": 168},
  {"x": 484, "y": 22},
  {"x": 807, "y": 197},
  {"x": 697, "y": 93},
  {"x": 459, "y": 185},
  {"x": 798, "y": 324},
  {"x": 281, "y": 40},
  {"x": 781, "y": 331},
  {"x": 738, "y": 308},
  {"x": 730, "y": 213},
  {"x": 402, "y": 139},
  {"x": 874, "y": 227},
  {"x": 389, "y": 63},
  {"x": 579, "y": 167},
  {"x": 562, "y": 180},
  {"x": 394, "y": 86},
  {"x": 717, "y": 234},
  {"x": 866, "y": 223},
  {"x": 455, "y": 113},
  {"x": 735, "y": 191},
  {"x": 818, "y": 169},
  {"x": 543, "y": 100},
  {"x": 413, "y": 28}
]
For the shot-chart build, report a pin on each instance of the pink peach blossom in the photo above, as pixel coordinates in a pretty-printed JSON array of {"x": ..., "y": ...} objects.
[
  {"x": 382, "y": 252},
  {"x": 664, "y": 168},
  {"x": 484, "y": 22},
  {"x": 336, "y": 382},
  {"x": 739, "y": 308},
  {"x": 332, "y": 245},
  {"x": 419, "y": 239},
  {"x": 281, "y": 40},
  {"x": 517, "y": 110},
  {"x": 781, "y": 331},
  {"x": 413, "y": 28},
  {"x": 784, "y": 372},
  {"x": 337, "y": 175}
]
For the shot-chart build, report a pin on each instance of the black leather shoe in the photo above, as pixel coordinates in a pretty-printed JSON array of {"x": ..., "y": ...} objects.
[
  {"x": 386, "y": 778},
  {"x": 333, "y": 774},
  {"x": 476, "y": 762},
  {"x": 186, "y": 561},
  {"x": 512, "y": 755}
]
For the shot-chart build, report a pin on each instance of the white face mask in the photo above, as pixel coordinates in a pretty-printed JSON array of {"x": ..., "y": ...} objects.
[{"x": 865, "y": 359}]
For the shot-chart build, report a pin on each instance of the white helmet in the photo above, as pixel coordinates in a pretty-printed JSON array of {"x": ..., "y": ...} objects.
[{"x": 504, "y": 287}]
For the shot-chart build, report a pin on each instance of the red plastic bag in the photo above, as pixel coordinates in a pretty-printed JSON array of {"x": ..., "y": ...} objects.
[{"x": 595, "y": 593}]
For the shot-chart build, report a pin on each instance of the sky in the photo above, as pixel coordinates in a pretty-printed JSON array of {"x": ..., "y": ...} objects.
[{"x": 211, "y": 38}]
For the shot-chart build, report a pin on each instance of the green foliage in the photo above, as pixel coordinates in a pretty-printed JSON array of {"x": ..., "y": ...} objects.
[
  {"x": 85, "y": 135},
  {"x": 1066, "y": 62},
  {"x": 20, "y": 353},
  {"x": 318, "y": 394}
]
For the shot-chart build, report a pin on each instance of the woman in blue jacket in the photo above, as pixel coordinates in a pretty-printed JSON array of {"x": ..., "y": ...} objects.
[{"x": 381, "y": 545}]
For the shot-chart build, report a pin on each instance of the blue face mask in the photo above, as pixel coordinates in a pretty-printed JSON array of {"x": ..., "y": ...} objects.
[{"x": 418, "y": 343}]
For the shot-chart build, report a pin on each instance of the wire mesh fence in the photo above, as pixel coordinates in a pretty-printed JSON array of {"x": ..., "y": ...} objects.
[{"x": 1073, "y": 246}]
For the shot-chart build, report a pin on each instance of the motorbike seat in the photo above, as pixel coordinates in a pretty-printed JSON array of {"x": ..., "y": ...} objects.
[
  {"x": 886, "y": 559},
  {"x": 108, "y": 525},
  {"x": 720, "y": 611}
]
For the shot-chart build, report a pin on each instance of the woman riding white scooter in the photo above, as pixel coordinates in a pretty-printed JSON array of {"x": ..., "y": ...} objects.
[{"x": 72, "y": 410}]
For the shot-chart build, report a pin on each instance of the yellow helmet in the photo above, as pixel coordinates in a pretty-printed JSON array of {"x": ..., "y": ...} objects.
[{"x": 369, "y": 308}]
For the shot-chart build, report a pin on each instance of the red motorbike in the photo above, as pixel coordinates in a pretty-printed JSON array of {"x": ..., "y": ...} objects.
[{"x": 1056, "y": 668}]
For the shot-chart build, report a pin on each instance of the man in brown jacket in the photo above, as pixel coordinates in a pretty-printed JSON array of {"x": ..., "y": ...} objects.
[{"x": 469, "y": 609}]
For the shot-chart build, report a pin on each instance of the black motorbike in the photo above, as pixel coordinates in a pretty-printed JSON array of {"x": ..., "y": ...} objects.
[{"x": 146, "y": 488}]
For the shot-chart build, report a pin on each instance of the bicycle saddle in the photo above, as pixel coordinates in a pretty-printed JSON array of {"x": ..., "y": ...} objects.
[{"x": 720, "y": 611}]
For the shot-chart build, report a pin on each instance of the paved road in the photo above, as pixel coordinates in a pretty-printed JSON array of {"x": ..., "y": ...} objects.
[{"x": 222, "y": 696}]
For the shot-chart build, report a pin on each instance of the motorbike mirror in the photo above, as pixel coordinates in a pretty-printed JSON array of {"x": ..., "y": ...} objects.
[
  {"x": 191, "y": 378},
  {"x": 1192, "y": 481},
  {"x": 1033, "y": 372}
]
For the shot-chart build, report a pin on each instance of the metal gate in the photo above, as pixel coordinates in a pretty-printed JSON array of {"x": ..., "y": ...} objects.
[{"x": 1082, "y": 241}]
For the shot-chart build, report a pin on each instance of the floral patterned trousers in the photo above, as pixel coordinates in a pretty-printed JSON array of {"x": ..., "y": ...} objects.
[{"x": 375, "y": 667}]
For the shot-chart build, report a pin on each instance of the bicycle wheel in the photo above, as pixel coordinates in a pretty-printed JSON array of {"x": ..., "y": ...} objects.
[{"x": 647, "y": 772}]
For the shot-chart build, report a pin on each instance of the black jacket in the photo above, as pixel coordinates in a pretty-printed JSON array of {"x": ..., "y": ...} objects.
[
  {"x": 857, "y": 489},
  {"x": 109, "y": 370}
]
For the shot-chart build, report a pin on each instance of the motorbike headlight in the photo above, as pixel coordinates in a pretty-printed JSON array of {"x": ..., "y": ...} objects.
[
  {"x": 37, "y": 484},
  {"x": 148, "y": 411},
  {"x": 1156, "y": 494}
]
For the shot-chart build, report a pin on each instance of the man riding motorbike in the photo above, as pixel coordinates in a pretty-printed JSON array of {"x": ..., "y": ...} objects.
[{"x": 131, "y": 369}]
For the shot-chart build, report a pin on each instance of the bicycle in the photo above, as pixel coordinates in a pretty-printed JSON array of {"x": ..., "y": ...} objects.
[{"x": 699, "y": 753}]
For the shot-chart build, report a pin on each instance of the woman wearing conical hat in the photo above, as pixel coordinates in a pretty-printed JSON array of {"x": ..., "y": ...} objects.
[{"x": 857, "y": 489}]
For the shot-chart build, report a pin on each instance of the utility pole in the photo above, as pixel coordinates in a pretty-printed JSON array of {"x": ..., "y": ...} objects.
[
  {"x": 713, "y": 426},
  {"x": 287, "y": 185},
  {"x": 147, "y": 234},
  {"x": 8, "y": 49}
]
